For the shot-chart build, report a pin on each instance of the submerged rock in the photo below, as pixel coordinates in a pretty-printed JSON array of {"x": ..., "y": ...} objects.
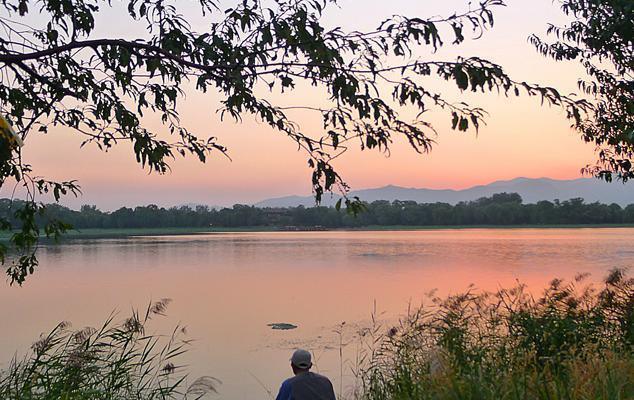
[{"x": 282, "y": 326}]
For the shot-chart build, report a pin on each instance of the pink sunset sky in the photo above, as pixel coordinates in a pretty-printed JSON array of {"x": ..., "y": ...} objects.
[{"x": 522, "y": 138}]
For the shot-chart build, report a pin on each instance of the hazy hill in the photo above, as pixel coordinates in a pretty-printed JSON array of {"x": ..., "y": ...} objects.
[{"x": 531, "y": 190}]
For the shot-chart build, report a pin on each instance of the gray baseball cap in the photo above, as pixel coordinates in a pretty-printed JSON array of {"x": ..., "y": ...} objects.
[{"x": 301, "y": 358}]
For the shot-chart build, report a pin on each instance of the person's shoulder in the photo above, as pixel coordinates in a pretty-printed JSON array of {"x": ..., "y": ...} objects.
[
  {"x": 286, "y": 385},
  {"x": 289, "y": 381},
  {"x": 315, "y": 375},
  {"x": 285, "y": 390}
]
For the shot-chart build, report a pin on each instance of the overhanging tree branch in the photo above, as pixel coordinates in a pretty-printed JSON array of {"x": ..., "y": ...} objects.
[{"x": 104, "y": 88}]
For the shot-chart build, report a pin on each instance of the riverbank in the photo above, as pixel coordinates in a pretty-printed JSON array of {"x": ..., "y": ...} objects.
[
  {"x": 460, "y": 227},
  {"x": 97, "y": 233},
  {"x": 569, "y": 343}
]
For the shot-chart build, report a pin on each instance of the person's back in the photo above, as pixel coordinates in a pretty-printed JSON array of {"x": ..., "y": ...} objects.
[{"x": 305, "y": 385}]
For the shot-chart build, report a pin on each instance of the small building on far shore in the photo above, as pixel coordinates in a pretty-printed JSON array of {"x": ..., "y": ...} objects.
[{"x": 293, "y": 228}]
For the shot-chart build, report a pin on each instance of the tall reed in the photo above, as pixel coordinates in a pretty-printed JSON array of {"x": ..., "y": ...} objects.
[
  {"x": 572, "y": 342},
  {"x": 118, "y": 360}
]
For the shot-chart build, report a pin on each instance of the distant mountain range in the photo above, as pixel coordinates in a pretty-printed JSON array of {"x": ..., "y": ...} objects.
[{"x": 531, "y": 190}]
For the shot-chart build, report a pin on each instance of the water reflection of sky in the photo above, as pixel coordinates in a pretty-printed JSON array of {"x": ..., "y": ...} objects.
[{"x": 227, "y": 287}]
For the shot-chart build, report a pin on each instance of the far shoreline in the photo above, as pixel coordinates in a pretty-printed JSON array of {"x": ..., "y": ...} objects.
[{"x": 114, "y": 233}]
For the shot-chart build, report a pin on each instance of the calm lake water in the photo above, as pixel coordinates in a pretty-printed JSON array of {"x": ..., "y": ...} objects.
[{"x": 226, "y": 288}]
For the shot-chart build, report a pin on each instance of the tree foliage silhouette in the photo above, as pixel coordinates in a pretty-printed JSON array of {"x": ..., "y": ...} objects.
[
  {"x": 601, "y": 38},
  {"x": 62, "y": 73},
  {"x": 498, "y": 209}
]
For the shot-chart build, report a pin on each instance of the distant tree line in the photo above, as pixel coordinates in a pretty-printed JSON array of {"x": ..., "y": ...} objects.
[{"x": 499, "y": 209}]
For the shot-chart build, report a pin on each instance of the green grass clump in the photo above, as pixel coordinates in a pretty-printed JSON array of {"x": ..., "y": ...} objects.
[
  {"x": 119, "y": 360},
  {"x": 572, "y": 342}
]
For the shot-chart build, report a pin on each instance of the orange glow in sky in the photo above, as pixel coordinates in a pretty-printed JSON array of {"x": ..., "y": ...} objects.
[{"x": 522, "y": 138}]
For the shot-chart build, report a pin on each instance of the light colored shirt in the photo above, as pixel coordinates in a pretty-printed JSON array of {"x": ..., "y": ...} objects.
[{"x": 306, "y": 386}]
